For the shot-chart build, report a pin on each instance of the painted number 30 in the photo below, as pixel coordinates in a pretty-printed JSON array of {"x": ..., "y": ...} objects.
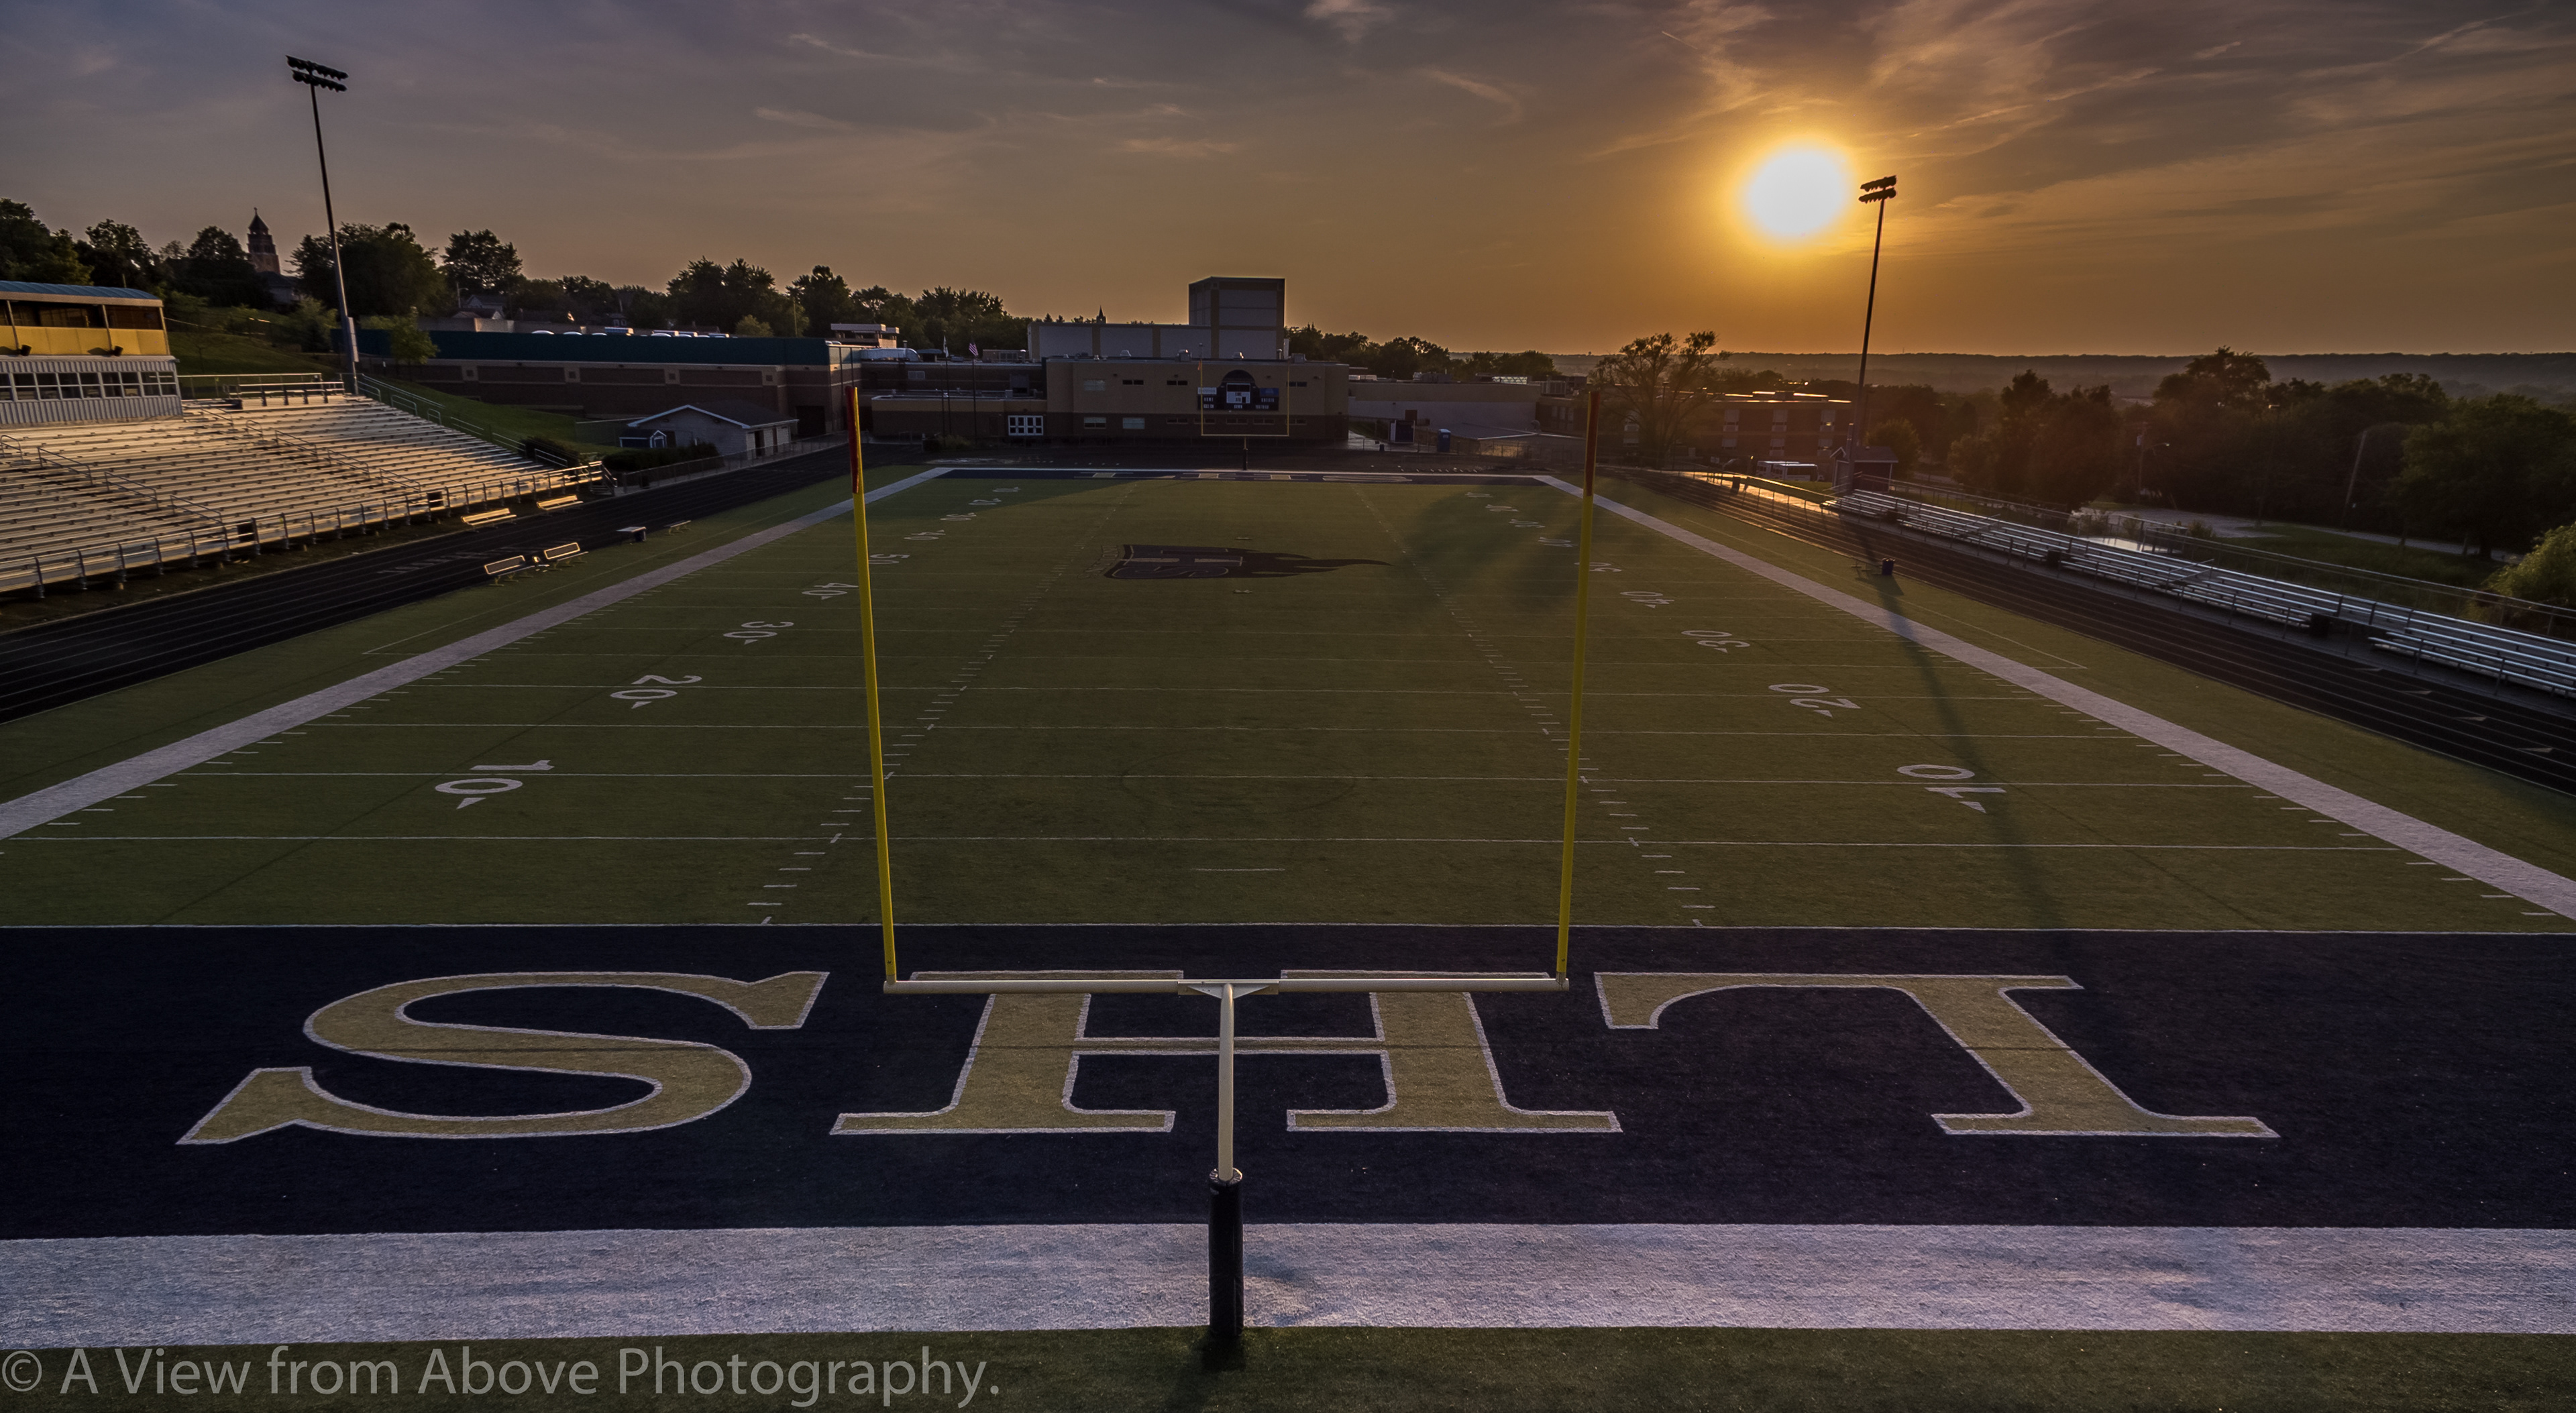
[{"x": 756, "y": 630}]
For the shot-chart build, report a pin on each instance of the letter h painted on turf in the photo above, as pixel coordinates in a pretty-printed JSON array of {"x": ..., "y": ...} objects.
[{"x": 1028, "y": 1051}]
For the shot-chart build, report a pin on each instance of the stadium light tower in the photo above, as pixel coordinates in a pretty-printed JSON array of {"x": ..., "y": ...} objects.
[
  {"x": 1877, "y": 193},
  {"x": 315, "y": 78}
]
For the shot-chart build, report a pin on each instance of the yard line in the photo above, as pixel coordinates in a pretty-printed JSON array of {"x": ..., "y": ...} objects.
[
  {"x": 2488, "y": 865},
  {"x": 54, "y": 801}
]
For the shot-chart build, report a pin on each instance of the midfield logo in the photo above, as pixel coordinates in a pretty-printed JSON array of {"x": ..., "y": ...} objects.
[{"x": 1019, "y": 1076}]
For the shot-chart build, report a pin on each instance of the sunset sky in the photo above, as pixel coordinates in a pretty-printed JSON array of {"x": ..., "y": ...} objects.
[{"x": 2284, "y": 175}]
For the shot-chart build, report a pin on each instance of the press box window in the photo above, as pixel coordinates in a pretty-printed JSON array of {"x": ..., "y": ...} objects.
[
  {"x": 1095, "y": 421},
  {"x": 1095, "y": 385},
  {"x": 1132, "y": 424}
]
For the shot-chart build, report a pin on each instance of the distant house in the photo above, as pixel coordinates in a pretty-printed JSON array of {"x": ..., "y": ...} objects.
[{"x": 732, "y": 426}]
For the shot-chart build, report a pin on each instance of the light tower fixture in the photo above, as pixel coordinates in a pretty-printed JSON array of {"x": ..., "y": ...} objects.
[
  {"x": 315, "y": 78},
  {"x": 1877, "y": 193}
]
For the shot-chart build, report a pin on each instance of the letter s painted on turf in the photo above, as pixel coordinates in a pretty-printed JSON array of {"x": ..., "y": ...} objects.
[{"x": 689, "y": 1080}]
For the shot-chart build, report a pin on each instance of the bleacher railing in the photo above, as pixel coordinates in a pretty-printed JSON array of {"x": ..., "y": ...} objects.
[{"x": 402, "y": 400}]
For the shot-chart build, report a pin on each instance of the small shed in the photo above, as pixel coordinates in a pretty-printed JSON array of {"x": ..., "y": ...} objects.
[{"x": 730, "y": 425}]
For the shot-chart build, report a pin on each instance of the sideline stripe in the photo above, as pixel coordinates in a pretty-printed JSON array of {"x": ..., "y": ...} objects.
[
  {"x": 27, "y": 811},
  {"x": 2524, "y": 880},
  {"x": 194, "y": 1290}
]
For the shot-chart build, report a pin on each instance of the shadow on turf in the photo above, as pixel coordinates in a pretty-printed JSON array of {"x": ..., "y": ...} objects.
[{"x": 1220, "y": 562}]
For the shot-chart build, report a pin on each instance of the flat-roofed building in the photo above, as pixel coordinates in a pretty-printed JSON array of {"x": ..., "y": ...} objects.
[
  {"x": 85, "y": 353},
  {"x": 1225, "y": 375},
  {"x": 1231, "y": 317}
]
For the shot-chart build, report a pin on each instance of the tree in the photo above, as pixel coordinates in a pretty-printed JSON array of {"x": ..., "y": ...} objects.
[
  {"x": 2546, "y": 575},
  {"x": 1899, "y": 436},
  {"x": 1352, "y": 348},
  {"x": 1920, "y": 408},
  {"x": 118, "y": 255},
  {"x": 539, "y": 298},
  {"x": 2225, "y": 378},
  {"x": 643, "y": 308},
  {"x": 2495, "y": 472},
  {"x": 477, "y": 262},
  {"x": 30, "y": 252},
  {"x": 589, "y": 301},
  {"x": 1658, "y": 385},
  {"x": 954, "y": 318},
  {"x": 2075, "y": 454},
  {"x": 1527, "y": 364},
  {"x": 825, "y": 300},
  {"x": 751, "y": 328},
  {"x": 878, "y": 305},
  {"x": 722, "y": 296},
  {"x": 389, "y": 272},
  {"x": 406, "y": 343},
  {"x": 214, "y": 268},
  {"x": 2062, "y": 449}
]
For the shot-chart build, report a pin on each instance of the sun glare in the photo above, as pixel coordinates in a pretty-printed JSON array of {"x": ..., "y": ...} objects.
[{"x": 1797, "y": 192}]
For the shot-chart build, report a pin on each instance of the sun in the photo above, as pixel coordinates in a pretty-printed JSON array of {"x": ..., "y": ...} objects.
[{"x": 1797, "y": 191}]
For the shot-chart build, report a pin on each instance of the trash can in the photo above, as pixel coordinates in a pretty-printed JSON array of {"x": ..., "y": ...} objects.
[{"x": 1444, "y": 439}]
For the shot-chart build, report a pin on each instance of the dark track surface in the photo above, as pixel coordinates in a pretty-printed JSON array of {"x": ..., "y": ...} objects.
[
  {"x": 2498, "y": 731},
  {"x": 58, "y": 663}
]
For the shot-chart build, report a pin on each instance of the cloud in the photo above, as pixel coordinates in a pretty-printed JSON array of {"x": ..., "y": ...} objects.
[
  {"x": 1491, "y": 93},
  {"x": 1353, "y": 18},
  {"x": 1177, "y": 147},
  {"x": 812, "y": 41},
  {"x": 795, "y": 118}
]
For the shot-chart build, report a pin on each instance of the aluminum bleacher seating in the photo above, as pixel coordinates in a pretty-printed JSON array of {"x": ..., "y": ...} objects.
[
  {"x": 78, "y": 499},
  {"x": 2504, "y": 655}
]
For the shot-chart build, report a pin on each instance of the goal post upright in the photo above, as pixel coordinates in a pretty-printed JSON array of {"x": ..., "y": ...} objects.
[
  {"x": 876, "y": 717},
  {"x": 1574, "y": 707}
]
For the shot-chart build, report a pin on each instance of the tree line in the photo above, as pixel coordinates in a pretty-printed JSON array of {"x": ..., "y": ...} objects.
[
  {"x": 1407, "y": 358},
  {"x": 2395, "y": 454}
]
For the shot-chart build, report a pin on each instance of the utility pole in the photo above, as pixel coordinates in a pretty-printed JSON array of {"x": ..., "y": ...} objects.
[
  {"x": 1877, "y": 193},
  {"x": 315, "y": 78}
]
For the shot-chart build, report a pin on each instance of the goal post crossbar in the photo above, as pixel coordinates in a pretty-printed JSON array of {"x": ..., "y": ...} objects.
[{"x": 1178, "y": 985}]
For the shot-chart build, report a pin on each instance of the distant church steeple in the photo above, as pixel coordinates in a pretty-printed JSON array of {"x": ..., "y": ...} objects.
[{"x": 263, "y": 246}]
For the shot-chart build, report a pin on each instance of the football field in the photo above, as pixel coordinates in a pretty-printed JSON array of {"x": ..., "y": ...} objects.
[{"x": 504, "y": 968}]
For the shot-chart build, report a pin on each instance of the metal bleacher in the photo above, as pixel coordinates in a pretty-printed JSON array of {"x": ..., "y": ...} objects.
[
  {"x": 240, "y": 476},
  {"x": 2503, "y": 655}
]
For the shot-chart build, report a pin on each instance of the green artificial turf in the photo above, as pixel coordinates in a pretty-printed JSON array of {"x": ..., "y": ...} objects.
[
  {"x": 1379, "y": 740},
  {"x": 1555, "y": 1370}
]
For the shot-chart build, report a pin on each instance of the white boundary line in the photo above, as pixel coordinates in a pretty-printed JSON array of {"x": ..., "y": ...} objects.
[
  {"x": 192, "y": 1290},
  {"x": 54, "y": 801},
  {"x": 2523, "y": 880}
]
